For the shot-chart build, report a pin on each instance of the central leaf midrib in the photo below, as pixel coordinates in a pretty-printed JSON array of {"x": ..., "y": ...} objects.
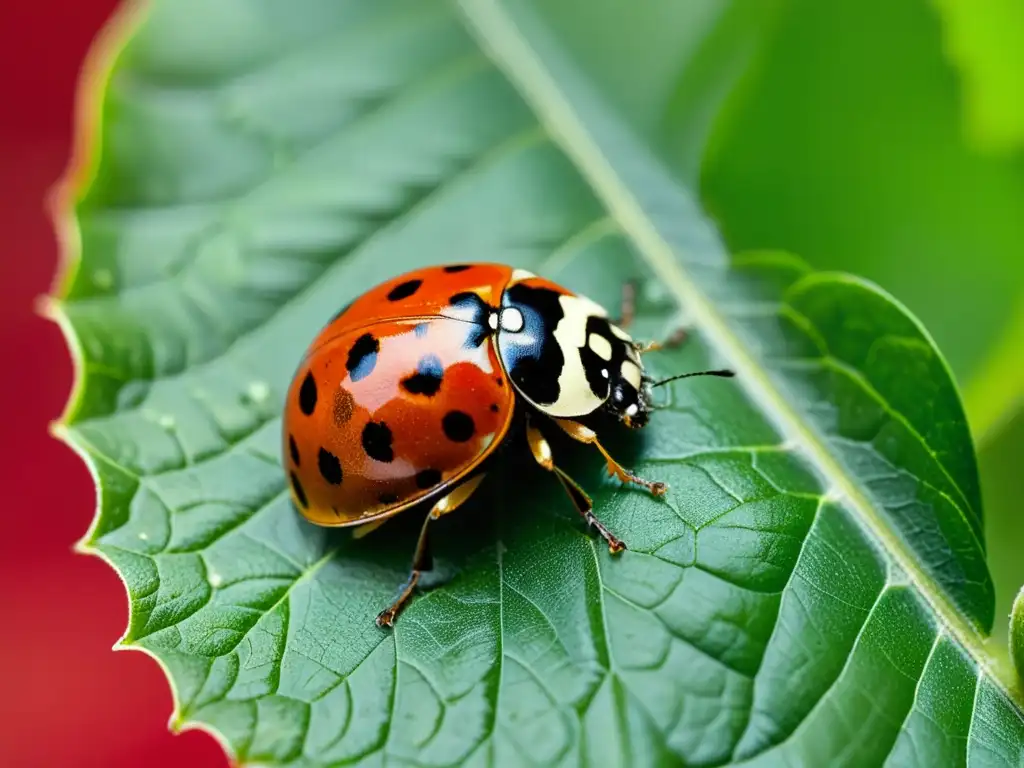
[{"x": 513, "y": 54}]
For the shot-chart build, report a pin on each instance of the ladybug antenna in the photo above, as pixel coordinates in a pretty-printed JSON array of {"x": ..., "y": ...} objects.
[{"x": 721, "y": 372}]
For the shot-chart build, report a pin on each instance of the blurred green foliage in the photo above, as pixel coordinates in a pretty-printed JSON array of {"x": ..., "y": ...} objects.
[
  {"x": 881, "y": 137},
  {"x": 858, "y": 160},
  {"x": 983, "y": 38}
]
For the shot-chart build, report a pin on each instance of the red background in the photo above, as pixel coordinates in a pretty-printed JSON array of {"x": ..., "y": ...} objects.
[{"x": 68, "y": 700}]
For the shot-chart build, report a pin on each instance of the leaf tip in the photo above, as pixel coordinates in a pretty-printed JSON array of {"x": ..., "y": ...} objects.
[
  {"x": 58, "y": 431},
  {"x": 83, "y": 546},
  {"x": 180, "y": 719},
  {"x": 180, "y": 723},
  {"x": 46, "y": 306}
]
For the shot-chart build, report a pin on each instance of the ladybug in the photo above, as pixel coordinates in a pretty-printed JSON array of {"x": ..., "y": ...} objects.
[{"x": 404, "y": 394}]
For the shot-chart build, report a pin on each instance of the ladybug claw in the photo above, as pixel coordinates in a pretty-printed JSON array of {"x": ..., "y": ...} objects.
[
  {"x": 656, "y": 487},
  {"x": 615, "y": 544}
]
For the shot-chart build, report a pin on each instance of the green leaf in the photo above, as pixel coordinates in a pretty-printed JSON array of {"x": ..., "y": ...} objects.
[
  {"x": 982, "y": 38},
  {"x": 812, "y": 590}
]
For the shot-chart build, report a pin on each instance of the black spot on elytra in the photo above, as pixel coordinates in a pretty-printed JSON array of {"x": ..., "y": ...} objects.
[
  {"x": 330, "y": 467},
  {"x": 307, "y": 394},
  {"x": 427, "y": 379},
  {"x": 343, "y": 406},
  {"x": 533, "y": 358},
  {"x": 377, "y": 441},
  {"x": 494, "y": 408},
  {"x": 293, "y": 449},
  {"x": 300, "y": 495},
  {"x": 428, "y": 478},
  {"x": 387, "y": 498},
  {"x": 458, "y": 426},
  {"x": 404, "y": 290},
  {"x": 457, "y": 268},
  {"x": 362, "y": 358}
]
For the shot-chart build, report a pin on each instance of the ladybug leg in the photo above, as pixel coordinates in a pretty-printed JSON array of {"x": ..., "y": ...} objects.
[
  {"x": 421, "y": 560},
  {"x": 627, "y": 309},
  {"x": 674, "y": 339},
  {"x": 584, "y": 434},
  {"x": 541, "y": 450},
  {"x": 627, "y": 313}
]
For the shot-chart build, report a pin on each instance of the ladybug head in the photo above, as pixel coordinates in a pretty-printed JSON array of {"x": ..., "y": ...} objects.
[
  {"x": 630, "y": 402},
  {"x": 630, "y": 397},
  {"x": 629, "y": 387}
]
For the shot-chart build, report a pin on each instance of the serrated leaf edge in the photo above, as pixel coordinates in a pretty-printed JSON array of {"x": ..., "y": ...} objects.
[
  {"x": 500, "y": 35},
  {"x": 76, "y": 179}
]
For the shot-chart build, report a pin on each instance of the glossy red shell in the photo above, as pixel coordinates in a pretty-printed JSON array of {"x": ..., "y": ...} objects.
[
  {"x": 394, "y": 401},
  {"x": 434, "y": 287}
]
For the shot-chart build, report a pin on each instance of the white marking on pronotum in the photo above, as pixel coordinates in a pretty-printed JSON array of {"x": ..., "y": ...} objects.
[
  {"x": 575, "y": 397},
  {"x": 512, "y": 320},
  {"x": 600, "y": 346},
  {"x": 588, "y": 306},
  {"x": 620, "y": 333},
  {"x": 492, "y": 321},
  {"x": 631, "y": 372}
]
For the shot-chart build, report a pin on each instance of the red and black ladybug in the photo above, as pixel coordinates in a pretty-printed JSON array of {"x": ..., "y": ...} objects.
[{"x": 401, "y": 398}]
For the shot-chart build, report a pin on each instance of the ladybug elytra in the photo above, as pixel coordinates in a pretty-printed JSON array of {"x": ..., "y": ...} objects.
[{"x": 405, "y": 393}]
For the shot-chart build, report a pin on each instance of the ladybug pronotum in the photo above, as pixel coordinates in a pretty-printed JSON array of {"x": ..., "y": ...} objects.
[{"x": 405, "y": 393}]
